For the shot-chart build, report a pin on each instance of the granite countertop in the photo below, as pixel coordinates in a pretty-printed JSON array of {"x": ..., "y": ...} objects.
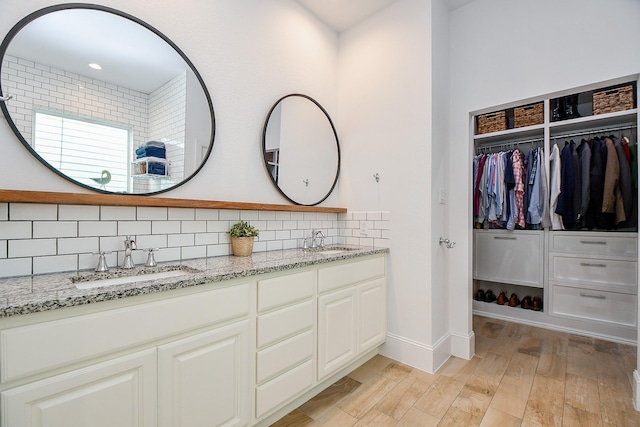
[{"x": 31, "y": 294}]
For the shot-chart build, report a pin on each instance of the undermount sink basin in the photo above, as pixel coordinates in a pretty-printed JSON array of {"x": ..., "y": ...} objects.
[
  {"x": 332, "y": 250},
  {"x": 100, "y": 280}
]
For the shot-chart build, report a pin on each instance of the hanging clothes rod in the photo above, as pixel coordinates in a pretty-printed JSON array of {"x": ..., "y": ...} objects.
[
  {"x": 594, "y": 132},
  {"x": 507, "y": 145}
]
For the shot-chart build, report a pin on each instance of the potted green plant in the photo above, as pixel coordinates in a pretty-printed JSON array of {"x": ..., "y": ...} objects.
[{"x": 242, "y": 237}]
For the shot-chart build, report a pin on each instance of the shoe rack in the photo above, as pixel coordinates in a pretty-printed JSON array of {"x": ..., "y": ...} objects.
[{"x": 584, "y": 281}]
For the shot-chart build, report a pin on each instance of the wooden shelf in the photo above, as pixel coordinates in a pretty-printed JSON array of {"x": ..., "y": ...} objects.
[{"x": 21, "y": 196}]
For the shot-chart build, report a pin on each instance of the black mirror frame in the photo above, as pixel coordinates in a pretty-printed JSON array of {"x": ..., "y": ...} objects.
[
  {"x": 264, "y": 148},
  {"x": 55, "y": 8}
]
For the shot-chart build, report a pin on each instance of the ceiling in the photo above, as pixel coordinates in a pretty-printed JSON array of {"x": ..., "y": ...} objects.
[{"x": 344, "y": 14}]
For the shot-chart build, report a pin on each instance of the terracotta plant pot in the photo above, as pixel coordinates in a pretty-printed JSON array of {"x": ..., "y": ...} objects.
[{"x": 242, "y": 246}]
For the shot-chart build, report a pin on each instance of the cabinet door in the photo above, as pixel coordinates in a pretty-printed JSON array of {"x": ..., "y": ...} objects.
[
  {"x": 372, "y": 319},
  {"x": 336, "y": 330},
  {"x": 120, "y": 392},
  {"x": 203, "y": 379}
]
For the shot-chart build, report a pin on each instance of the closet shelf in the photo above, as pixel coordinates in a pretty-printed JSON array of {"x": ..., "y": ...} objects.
[
  {"x": 510, "y": 134},
  {"x": 618, "y": 118}
]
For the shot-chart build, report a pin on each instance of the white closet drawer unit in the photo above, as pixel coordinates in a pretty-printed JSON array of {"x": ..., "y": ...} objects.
[
  {"x": 594, "y": 270},
  {"x": 594, "y": 244},
  {"x": 599, "y": 305},
  {"x": 284, "y": 323},
  {"x": 509, "y": 257}
]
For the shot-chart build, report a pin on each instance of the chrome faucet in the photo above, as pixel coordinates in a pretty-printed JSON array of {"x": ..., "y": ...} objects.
[
  {"x": 129, "y": 247},
  {"x": 314, "y": 235}
]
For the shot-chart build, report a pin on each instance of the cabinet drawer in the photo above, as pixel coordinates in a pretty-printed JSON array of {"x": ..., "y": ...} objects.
[
  {"x": 594, "y": 243},
  {"x": 21, "y": 348},
  {"x": 282, "y": 356},
  {"x": 509, "y": 257},
  {"x": 283, "y": 388},
  {"x": 283, "y": 323},
  {"x": 285, "y": 290},
  {"x": 346, "y": 274},
  {"x": 594, "y": 305},
  {"x": 590, "y": 270}
]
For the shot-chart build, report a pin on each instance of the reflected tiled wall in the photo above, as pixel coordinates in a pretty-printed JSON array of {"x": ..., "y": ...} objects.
[{"x": 48, "y": 238}]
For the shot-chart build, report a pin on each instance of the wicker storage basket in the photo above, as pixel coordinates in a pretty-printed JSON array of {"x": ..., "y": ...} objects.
[
  {"x": 528, "y": 115},
  {"x": 610, "y": 100},
  {"x": 242, "y": 246},
  {"x": 492, "y": 122}
]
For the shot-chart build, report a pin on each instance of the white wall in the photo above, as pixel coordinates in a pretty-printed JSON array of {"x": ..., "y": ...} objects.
[
  {"x": 249, "y": 53},
  {"x": 385, "y": 127},
  {"x": 505, "y": 50}
]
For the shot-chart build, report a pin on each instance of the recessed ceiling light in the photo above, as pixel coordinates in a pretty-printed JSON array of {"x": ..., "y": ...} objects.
[{"x": 95, "y": 66}]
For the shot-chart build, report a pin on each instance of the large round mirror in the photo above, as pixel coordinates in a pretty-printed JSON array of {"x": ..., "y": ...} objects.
[
  {"x": 301, "y": 149},
  {"x": 105, "y": 100}
]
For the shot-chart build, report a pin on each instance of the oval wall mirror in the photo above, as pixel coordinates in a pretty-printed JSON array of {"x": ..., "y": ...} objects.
[
  {"x": 105, "y": 100},
  {"x": 301, "y": 149}
]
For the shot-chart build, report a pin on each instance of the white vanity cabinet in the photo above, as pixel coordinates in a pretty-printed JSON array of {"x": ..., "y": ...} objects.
[
  {"x": 182, "y": 376},
  {"x": 351, "y": 312},
  {"x": 241, "y": 352}
]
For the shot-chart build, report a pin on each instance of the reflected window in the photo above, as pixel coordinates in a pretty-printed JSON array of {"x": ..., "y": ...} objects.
[{"x": 92, "y": 153}]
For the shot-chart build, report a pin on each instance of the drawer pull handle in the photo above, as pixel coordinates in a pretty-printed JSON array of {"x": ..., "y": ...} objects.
[
  {"x": 593, "y": 242},
  {"x": 582, "y": 294},
  {"x": 592, "y": 264},
  {"x": 505, "y": 238}
]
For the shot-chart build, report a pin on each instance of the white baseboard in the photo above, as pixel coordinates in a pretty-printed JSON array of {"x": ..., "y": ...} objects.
[
  {"x": 425, "y": 357},
  {"x": 636, "y": 390},
  {"x": 463, "y": 346}
]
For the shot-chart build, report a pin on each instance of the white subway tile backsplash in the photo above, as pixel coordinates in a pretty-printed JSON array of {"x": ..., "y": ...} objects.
[
  {"x": 15, "y": 230},
  {"x": 174, "y": 240},
  {"x": 183, "y": 214},
  {"x": 55, "y": 264},
  {"x": 77, "y": 245},
  {"x": 221, "y": 250},
  {"x": 194, "y": 226},
  {"x": 38, "y": 244},
  {"x": 249, "y": 215},
  {"x": 151, "y": 213},
  {"x": 218, "y": 226},
  {"x": 78, "y": 212},
  {"x": 45, "y": 229},
  {"x": 117, "y": 213},
  {"x": 229, "y": 215},
  {"x": 274, "y": 225},
  {"x": 165, "y": 227},
  {"x": 283, "y": 215},
  {"x": 274, "y": 245},
  {"x": 152, "y": 241},
  {"x": 207, "y": 214},
  {"x": 32, "y": 212},
  {"x": 15, "y": 267},
  {"x": 34, "y": 247},
  {"x": 167, "y": 254},
  {"x": 133, "y": 228},
  {"x": 266, "y": 215},
  {"x": 97, "y": 228},
  {"x": 190, "y": 252},
  {"x": 267, "y": 235},
  {"x": 206, "y": 239}
]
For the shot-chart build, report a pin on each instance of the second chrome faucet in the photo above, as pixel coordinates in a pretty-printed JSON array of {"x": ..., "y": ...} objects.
[{"x": 129, "y": 246}]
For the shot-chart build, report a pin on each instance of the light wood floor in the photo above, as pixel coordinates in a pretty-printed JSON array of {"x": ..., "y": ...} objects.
[{"x": 520, "y": 376}]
